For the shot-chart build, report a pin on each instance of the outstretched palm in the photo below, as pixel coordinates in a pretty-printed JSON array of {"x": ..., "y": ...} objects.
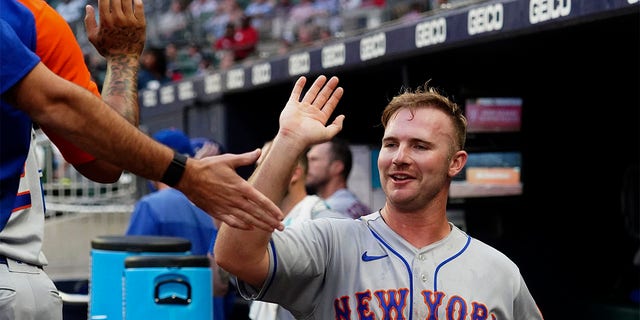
[{"x": 307, "y": 118}]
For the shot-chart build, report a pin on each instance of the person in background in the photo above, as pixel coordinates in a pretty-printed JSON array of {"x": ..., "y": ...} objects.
[
  {"x": 173, "y": 65},
  {"x": 246, "y": 39},
  {"x": 32, "y": 94},
  {"x": 261, "y": 12},
  {"x": 223, "y": 47},
  {"x": 172, "y": 24},
  {"x": 405, "y": 261},
  {"x": 153, "y": 69},
  {"x": 298, "y": 206},
  {"x": 206, "y": 147},
  {"x": 168, "y": 212},
  {"x": 329, "y": 168}
]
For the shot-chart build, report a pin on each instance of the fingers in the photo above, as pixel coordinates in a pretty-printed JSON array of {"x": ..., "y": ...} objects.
[
  {"x": 127, "y": 8},
  {"x": 330, "y": 104},
  {"x": 256, "y": 210},
  {"x": 139, "y": 10},
  {"x": 336, "y": 126},
  {"x": 104, "y": 9},
  {"x": 297, "y": 89},
  {"x": 90, "y": 23},
  {"x": 245, "y": 159},
  {"x": 117, "y": 9},
  {"x": 312, "y": 93}
]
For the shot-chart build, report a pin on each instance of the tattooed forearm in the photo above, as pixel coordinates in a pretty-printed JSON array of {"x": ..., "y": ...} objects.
[{"x": 120, "y": 88}]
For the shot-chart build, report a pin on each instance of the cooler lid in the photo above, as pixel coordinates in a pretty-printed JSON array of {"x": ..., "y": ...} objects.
[
  {"x": 166, "y": 261},
  {"x": 141, "y": 243}
]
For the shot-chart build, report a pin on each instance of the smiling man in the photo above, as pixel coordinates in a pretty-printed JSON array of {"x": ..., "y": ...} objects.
[{"x": 406, "y": 261}]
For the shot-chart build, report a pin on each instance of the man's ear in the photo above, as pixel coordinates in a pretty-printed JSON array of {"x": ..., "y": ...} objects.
[
  {"x": 336, "y": 167},
  {"x": 298, "y": 173},
  {"x": 457, "y": 162}
]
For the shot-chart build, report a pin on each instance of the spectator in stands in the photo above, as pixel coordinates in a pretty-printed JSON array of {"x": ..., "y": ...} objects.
[
  {"x": 225, "y": 42},
  {"x": 330, "y": 17},
  {"x": 189, "y": 59},
  {"x": 302, "y": 12},
  {"x": 173, "y": 23},
  {"x": 245, "y": 39},
  {"x": 306, "y": 34},
  {"x": 281, "y": 16},
  {"x": 153, "y": 69},
  {"x": 298, "y": 206},
  {"x": 329, "y": 168},
  {"x": 261, "y": 12},
  {"x": 206, "y": 66},
  {"x": 173, "y": 66},
  {"x": 168, "y": 212},
  {"x": 223, "y": 47},
  {"x": 201, "y": 10},
  {"x": 229, "y": 11}
]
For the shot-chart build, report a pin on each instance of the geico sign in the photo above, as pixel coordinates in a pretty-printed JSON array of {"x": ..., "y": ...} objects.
[
  {"x": 543, "y": 10},
  {"x": 485, "y": 19},
  {"x": 431, "y": 32},
  {"x": 373, "y": 46}
]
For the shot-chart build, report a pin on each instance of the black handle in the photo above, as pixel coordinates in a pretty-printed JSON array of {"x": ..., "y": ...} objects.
[{"x": 173, "y": 299}]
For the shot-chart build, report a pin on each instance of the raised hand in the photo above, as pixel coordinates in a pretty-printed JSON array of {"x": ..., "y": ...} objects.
[
  {"x": 305, "y": 120},
  {"x": 122, "y": 28}
]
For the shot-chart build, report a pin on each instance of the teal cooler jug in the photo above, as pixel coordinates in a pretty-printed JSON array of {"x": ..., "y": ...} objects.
[
  {"x": 108, "y": 254},
  {"x": 168, "y": 288}
]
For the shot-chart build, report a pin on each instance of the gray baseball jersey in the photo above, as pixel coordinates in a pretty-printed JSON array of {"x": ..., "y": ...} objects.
[{"x": 361, "y": 269}]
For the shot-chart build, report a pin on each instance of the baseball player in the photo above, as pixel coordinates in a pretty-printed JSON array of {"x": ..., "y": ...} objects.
[{"x": 405, "y": 261}]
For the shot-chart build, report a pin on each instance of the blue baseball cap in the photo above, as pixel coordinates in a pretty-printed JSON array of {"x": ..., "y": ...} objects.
[
  {"x": 198, "y": 142},
  {"x": 175, "y": 139}
]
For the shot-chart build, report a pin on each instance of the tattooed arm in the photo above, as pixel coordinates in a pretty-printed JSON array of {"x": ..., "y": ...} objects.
[{"x": 120, "y": 38}]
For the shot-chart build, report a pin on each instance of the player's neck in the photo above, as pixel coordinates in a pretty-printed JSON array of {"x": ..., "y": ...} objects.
[{"x": 418, "y": 228}]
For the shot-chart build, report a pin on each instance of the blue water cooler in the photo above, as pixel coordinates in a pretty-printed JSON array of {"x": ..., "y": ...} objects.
[
  {"x": 108, "y": 255},
  {"x": 168, "y": 288}
]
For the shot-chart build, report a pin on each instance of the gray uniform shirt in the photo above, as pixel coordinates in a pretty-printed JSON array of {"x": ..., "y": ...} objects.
[
  {"x": 348, "y": 203},
  {"x": 352, "y": 269}
]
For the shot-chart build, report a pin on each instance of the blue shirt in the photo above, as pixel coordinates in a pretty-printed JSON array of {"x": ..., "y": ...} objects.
[
  {"x": 17, "y": 59},
  {"x": 169, "y": 212}
]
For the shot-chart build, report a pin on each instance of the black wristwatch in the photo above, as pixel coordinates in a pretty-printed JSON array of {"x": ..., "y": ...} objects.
[{"x": 175, "y": 170}]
